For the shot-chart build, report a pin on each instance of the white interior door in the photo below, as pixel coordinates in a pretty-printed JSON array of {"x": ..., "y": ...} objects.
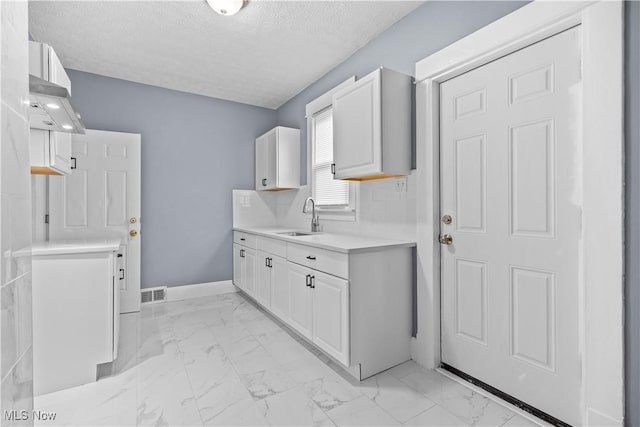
[
  {"x": 101, "y": 198},
  {"x": 510, "y": 182}
]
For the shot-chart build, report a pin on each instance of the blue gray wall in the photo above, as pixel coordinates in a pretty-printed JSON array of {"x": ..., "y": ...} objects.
[
  {"x": 429, "y": 28},
  {"x": 632, "y": 215},
  {"x": 195, "y": 150}
]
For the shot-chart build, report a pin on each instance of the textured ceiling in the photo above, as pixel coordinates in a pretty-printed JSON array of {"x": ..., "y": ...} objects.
[{"x": 264, "y": 55}]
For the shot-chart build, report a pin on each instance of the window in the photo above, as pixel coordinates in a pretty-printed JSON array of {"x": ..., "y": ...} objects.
[
  {"x": 327, "y": 192},
  {"x": 335, "y": 199}
]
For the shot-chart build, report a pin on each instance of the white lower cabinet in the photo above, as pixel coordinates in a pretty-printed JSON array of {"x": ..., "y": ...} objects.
[
  {"x": 250, "y": 259},
  {"x": 76, "y": 313},
  {"x": 279, "y": 287},
  {"x": 271, "y": 271},
  {"x": 244, "y": 268},
  {"x": 355, "y": 307},
  {"x": 331, "y": 315},
  {"x": 320, "y": 309},
  {"x": 238, "y": 266},
  {"x": 300, "y": 302}
]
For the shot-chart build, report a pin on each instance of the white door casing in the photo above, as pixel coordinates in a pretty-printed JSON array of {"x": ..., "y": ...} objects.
[
  {"x": 101, "y": 198},
  {"x": 601, "y": 125},
  {"x": 509, "y": 156}
]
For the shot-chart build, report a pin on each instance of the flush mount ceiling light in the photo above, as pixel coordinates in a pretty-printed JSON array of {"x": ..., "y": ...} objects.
[{"x": 226, "y": 7}]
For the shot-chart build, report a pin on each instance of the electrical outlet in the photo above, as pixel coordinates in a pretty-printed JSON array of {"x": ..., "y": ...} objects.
[{"x": 401, "y": 184}]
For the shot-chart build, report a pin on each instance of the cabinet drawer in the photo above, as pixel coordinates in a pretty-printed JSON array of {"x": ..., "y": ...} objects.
[
  {"x": 244, "y": 239},
  {"x": 272, "y": 246},
  {"x": 334, "y": 263}
]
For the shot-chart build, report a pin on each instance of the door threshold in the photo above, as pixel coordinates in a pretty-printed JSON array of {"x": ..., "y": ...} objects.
[{"x": 523, "y": 408}]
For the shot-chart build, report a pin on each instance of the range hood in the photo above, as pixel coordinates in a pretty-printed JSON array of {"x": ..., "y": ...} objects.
[{"x": 51, "y": 107}]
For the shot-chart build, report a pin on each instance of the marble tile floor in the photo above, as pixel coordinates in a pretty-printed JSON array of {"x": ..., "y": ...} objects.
[{"x": 222, "y": 361}]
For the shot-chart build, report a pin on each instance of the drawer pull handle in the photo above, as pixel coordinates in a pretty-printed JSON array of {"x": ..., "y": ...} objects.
[
  {"x": 312, "y": 258},
  {"x": 242, "y": 239}
]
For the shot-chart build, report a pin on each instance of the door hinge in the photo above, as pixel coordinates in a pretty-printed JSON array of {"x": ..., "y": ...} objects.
[{"x": 46, "y": 218}]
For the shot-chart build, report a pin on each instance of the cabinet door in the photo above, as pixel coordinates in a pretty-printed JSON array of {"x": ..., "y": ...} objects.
[
  {"x": 266, "y": 161},
  {"x": 263, "y": 279},
  {"x": 300, "y": 305},
  {"x": 331, "y": 315},
  {"x": 249, "y": 271},
  {"x": 238, "y": 266},
  {"x": 271, "y": 163},
  {"x": 357, "y": 127},
  {"x": 60, "y": 151},
  {"x": 261, "y": 163},
  {"x": 279, "y": 288}
]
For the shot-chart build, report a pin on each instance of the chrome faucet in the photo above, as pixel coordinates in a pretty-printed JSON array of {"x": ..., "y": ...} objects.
[{"x": 315, "y": 222}]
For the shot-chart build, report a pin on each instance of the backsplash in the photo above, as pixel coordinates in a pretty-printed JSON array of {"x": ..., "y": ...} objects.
[{"x": 384, "y": 208}]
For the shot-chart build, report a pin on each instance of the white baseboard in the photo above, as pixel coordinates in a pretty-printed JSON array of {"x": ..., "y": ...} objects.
[{"x": 179, "y": 293}]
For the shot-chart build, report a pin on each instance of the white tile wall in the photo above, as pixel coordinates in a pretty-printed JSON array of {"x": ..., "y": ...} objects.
[
  {"x": 16, "y": 365},
  {"x": 384, "y": 208},
  {"x": 254, "y": 208}
]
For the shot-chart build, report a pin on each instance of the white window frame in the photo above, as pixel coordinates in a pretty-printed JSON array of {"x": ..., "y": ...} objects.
[{"x": 314, "y": 107}]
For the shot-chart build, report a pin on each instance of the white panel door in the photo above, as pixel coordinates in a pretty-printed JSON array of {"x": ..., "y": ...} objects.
[
  {"x": 263, "y": 279},
  {"x": 510, "y": 174},
  {"x": 300, "y": 303},
  {"x": 279, "y": 288},
  {"x": 100, "y": 199},
  {"x": 357, "y": 144},
  {"x": 331, "y": 315}
]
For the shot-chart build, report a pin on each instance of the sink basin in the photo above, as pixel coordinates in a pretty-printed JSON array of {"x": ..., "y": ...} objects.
[{"x": 294, "y": 233}]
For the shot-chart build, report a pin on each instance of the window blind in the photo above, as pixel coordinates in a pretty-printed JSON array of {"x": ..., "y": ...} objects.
[{"x": 327, "y": 192}]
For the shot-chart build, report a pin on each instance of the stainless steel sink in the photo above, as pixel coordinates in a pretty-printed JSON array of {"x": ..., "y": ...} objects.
[{"x": 294, "y": 233}]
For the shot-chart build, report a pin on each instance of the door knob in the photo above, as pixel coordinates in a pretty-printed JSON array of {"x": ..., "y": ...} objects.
[
  {"x": 133, "y": 233},
  {"x": 446, "y": 239}
]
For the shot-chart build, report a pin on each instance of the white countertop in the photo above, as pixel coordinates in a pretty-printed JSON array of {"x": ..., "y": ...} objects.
[
  {"x": 345, "y": 243},
  {"x": 62, "y": 247}
]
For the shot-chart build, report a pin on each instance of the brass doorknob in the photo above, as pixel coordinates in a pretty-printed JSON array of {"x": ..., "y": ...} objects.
[
  {"x": 446, "y": 239},
  {"x": 133, "y": 233}
]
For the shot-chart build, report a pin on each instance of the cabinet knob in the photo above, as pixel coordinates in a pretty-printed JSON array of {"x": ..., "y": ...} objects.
[
  {"x": 264, "y": 182},
  {"x": 133, "y": 233}
]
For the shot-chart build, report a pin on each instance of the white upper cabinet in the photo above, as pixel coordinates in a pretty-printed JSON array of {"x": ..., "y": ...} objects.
[
  {"x": 50, "y": 151},
  {"x": 372, "y": 127},
  {"x": 278, "y": 159}
]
